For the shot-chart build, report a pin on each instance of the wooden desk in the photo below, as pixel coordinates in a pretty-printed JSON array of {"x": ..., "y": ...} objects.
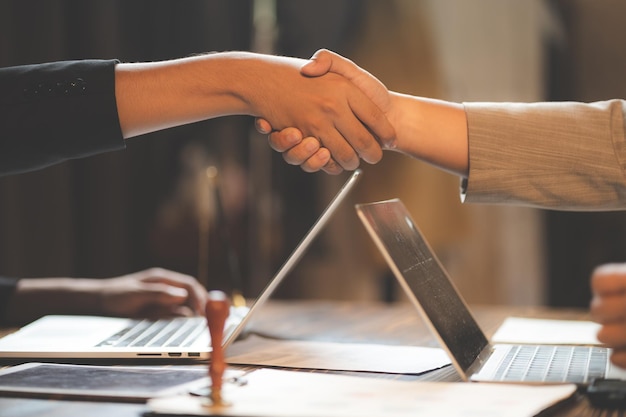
[{"x": 397, "y": 324}]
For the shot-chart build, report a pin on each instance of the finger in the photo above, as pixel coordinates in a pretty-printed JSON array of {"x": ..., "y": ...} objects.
[
  {"x": 161, "y": 311},
  {"x": 158, "y": 295},
  {"x": 182, "y": 311},
  {"x": 365, "y": 145},
  {"x": 196, "y": 293},
  {"x": 319, "y": 64},
  {"x": 340, "y": 148},
  {"x": 609, "y": 279},
  {"x": 613, "y": 335},
  {"x": 285, "y": 139},
  {"x": 262, "y": 126},
  {"x": 324, "y": 61},
  {"x": 368, "y": 146},
  {"x": 618, "y": 357},
  {"x": 360, "y": 139},
  {"x": 332, "y": 167},
  {"x": 607, "y": 309},
  {"x": 317, "y": 161},
  {"x": 298, "y": 154}
]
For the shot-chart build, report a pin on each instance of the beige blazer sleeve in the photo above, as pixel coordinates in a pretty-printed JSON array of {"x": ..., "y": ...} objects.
[{"x": 561, "y": 155}]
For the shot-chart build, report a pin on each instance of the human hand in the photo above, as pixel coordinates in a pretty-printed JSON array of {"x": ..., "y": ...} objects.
[
  {"x": 152, "y": 293},
  {"x": 608, "y": 308},
  {"x": 296, "y": 150},
  {"x": 307, "y": 152},
  {"x": 330, "y": 108}
]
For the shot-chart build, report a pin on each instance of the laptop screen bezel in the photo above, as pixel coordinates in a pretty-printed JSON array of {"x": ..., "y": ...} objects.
[{"x": 410, "y": 257}]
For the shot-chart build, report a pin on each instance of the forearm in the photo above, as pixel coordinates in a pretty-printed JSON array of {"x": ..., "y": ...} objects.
[
  {"x": 561, "y": 155},
  {"x": 159, "y": 95},
  {"x": 433, "y": 131},
  {"x": 35, "y": 297},
  {"x": 57, "y": 111}
]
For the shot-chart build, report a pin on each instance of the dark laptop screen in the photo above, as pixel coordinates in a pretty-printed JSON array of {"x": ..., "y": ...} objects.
[{"x": 423, "y": 278}]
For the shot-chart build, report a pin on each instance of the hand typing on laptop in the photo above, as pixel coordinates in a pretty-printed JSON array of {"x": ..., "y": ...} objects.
[
  {"x": 608, "y": 307},
  {"x": 152, "y": 293}
]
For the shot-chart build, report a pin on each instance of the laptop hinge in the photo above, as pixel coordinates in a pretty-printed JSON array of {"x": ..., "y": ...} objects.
[{"x": 480, "y": 360}]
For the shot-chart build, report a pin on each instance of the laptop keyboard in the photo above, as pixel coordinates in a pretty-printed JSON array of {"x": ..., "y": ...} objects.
[
  {"x": 176, "y": 332},
  {"x": 576, "y": 364}
]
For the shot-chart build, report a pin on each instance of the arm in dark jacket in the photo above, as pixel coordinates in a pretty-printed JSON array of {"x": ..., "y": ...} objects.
[{"x": 53, "y": 112}]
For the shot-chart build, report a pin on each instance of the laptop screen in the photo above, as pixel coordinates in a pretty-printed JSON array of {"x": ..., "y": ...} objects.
[{"x": 424, "y": 279}]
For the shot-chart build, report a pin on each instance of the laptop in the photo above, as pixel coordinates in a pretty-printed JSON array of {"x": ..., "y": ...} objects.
[
  {"x": 89, "y": 337},
  {"x": 429, "y": 288}
]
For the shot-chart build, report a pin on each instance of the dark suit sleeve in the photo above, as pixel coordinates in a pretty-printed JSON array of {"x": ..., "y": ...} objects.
[
  {"x": 57, "y": 111},
  {"x": 7, "y": 288}
]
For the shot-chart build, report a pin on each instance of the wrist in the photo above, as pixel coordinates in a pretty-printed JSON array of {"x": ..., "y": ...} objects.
[
  {"x": 403, "y": 115},
  {"x": 434, "y": 131},
  {"x": 158, "y": 95},
  {"x": 35, "y": 297}
]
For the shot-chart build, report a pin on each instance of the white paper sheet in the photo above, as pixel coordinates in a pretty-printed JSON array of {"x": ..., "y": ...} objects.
[
  {"x": 543, "y": 331},
  {"x": 303, "y": 394},
  {"x": 336, "y": 356}
]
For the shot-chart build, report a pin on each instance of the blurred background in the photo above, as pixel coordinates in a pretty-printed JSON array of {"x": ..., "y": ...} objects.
[{"x": 153, "y": 204}]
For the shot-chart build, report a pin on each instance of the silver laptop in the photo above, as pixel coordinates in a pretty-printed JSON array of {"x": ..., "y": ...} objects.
[
  {"x": 88, "y": 337},
  {"x": 429, "y": 288}
]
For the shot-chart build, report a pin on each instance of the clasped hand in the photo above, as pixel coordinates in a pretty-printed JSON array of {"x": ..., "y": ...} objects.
[{"x": 311, "y": 153}]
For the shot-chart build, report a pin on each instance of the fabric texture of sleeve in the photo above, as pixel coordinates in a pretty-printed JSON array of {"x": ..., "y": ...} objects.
[
  {"x": 7, "y": 288},
  {"x": 560, "y": 155},
  {"x": 57, "y": 111}
]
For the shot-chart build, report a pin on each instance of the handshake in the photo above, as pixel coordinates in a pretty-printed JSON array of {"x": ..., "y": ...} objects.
[
  {"x": 377, "y": 120},
  {"x": 363, "y": 133},
  {"x": 323, "y": 114}
]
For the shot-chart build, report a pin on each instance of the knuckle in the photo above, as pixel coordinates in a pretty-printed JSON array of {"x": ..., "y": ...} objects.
[{"x": 156, "y": 271}]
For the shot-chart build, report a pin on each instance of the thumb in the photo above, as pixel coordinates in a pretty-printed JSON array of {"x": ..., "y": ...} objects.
[
  {"x": 263, "y": 126},
  {"x": 324, "y": 61},
  {"x": 320, "y": 63}
]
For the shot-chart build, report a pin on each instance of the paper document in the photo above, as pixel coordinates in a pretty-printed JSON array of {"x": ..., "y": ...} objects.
[
  {"x": 303, "y": 394},
  {"x": 543, "y": 331},
  {"x": 256, "y": 350}
]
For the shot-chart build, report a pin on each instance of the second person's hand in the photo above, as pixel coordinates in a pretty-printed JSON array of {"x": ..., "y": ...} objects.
[{"x": 308, "y": 152}]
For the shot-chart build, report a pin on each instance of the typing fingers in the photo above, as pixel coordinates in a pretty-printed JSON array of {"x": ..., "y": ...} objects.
[
  {"x": 613, "y": 335},
  {"x": 161, "y": 311},
  {"x": 608, "y": 285},
  {"x": 608, "y": 308},
  {"x": 609, "y": 279},
  {"x": 618, "y": 357},
  {"x": 195, "y": 293}
]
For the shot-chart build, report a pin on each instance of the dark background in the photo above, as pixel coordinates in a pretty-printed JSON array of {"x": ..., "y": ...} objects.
[{"x": 120, "y": 212}]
